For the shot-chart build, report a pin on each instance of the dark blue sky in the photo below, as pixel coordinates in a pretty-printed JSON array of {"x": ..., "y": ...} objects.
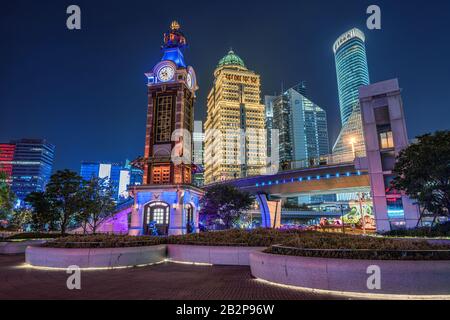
[{"x": 85, "y": 90}]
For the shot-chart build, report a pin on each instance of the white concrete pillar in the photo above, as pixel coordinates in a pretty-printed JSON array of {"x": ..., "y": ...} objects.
[
  {"x": 381, "y": 215},
  {"x": 196, "y": 220},
  {"x": 137, "y": 219},
  {"x": 379, "y": 95},
  {"x": 176, "y": 226}
]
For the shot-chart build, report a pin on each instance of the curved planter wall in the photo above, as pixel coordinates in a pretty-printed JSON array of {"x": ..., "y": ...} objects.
[
  {"x": 18, "y": 247},
  {"x": 397, "y": 277},
  {"x": 231, "y": 256},
  {"x": 94, "y": 258},
  {"x": 439, "y": 241}
]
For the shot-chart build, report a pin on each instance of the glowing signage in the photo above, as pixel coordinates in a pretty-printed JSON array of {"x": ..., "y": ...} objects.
[
  {"x": 354, "y": 33},
  {"x": 240, "y": 78}
]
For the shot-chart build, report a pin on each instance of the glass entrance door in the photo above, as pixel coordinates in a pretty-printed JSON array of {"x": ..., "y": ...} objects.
[
  {"x": 189, "y": 210},
  {"x": 156, "y": 218}
]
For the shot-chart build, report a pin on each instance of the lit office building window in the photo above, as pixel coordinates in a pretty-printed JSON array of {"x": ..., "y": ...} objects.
[{"x": 386, "y": 140}]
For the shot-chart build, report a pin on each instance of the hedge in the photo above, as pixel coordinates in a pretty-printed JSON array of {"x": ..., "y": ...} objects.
[
  {"x": 33, "y": 236},
  {"x": 340, "y": 246},
  {"x": 286, "y": 242},
  {"x": 442, "y": 230}
]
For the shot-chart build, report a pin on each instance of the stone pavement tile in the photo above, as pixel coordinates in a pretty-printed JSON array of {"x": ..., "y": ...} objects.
[{"x": 159, "y": 282}]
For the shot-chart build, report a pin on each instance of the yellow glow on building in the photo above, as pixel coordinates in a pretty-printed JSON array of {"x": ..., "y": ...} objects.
[
  {"x": 350, "y": 142},
  {"x": 235, "y": 139}
]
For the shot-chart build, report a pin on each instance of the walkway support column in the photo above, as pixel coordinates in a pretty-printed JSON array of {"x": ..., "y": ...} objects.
[
  {"x": 270, "y": 211},
  {"x": 385, "y": 136},
  {"x": 136, "y": 228},
  {"x": 176, "y": 226}
]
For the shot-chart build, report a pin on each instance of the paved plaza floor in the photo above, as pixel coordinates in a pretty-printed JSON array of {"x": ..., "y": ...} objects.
[{"x": 167, "y": 281}]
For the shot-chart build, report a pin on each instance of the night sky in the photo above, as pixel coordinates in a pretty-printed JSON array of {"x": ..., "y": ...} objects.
[{"x": 85, "y": 90}]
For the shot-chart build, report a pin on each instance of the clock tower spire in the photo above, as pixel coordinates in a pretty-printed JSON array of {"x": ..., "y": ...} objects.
[{"x": 174, "y": 44}]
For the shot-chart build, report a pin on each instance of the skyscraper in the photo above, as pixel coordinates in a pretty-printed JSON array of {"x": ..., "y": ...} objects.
[
  {"x": 136, "y": 174},
  {"x": 268, "y": 102},
  {"x": 198, "y": 139},
  {"x": 235, "y": 139},
  {"x": 120, "y": 176},
  {"x": 352, "y": 73},
  {"x": 351, "y": 69},
  {"x": 302, "y": 125},
  {"x": 6, "y": 159},
  {"x": 32, "y": 166}
]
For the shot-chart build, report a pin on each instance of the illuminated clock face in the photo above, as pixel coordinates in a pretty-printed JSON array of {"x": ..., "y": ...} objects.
[
  {"x": 189, "y": 81},
  {"x": 166, "y": 73}
]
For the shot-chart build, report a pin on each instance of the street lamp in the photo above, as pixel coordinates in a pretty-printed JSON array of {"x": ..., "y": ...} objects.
[
  {"x": 361, "y": 199},
  {"x": 342, "y": 218}
]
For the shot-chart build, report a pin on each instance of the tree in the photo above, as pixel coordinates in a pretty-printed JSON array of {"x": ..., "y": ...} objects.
[
  {"x": 225, "y": 204},
  {"x": 7, "y": 197},
  {"x": 423, "y": 172},
  {"x": 22, "y": 217},
  {"x": 65, "y": 195},
  {"x": 44, "y": 215},
  {"x": 97, "y": 203}
]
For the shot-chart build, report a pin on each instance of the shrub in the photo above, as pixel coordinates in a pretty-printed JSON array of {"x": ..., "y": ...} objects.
[
  {"x": 254, "y": 238},
  {"x": 441, "y": 230},
  {"x": 33, "y": 236},
  {"x": 285, "y": 242},
  {"x": 236, "y": 237},
  {"x": 104, "y": 241},
  {"x": 325, "y": 245}
]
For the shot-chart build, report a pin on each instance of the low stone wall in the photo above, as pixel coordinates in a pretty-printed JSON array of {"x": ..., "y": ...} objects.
[
  {"x": 397, "y": 277},
  {"x": 232, "y": 256},
  {"x": 94, "y": 258},
  {"x": 18, "y": 247}
]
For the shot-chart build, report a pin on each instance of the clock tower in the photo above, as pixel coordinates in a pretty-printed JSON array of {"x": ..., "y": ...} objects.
[{"x": 167, "y": 203}]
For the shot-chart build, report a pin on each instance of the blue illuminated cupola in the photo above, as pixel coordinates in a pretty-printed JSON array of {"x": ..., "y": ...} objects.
[{"x": 174, "y": 43}]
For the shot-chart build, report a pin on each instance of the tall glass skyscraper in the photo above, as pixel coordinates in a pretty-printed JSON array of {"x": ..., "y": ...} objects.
[
  {"x": 6, "y": 159},
  {"x": 302, "y": 125},
  {"x": 32, "y": 166},
  {"x": 121, "y": 176},
  {"x": 268, "y": 102},
  {"x": 351, "y": 69}
]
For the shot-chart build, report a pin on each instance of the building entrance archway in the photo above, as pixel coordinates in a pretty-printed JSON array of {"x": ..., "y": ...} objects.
[{"x": 156, "y": 218}]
